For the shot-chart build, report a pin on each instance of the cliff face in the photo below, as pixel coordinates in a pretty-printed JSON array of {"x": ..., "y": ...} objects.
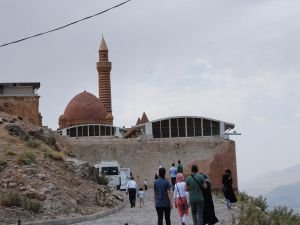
[
  {"x": 26, "y": 107},
  {"x": 143, "y": 157}
]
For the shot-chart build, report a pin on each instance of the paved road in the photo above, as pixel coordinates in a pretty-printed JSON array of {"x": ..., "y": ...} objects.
[{"x": 147, "y": 215}]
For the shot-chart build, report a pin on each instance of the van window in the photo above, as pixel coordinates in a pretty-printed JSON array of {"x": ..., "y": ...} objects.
[{"x": 110, "y": 171}]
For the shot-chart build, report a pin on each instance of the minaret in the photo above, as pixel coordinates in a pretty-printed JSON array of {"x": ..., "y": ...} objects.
[{"x": 104, "y": 68}]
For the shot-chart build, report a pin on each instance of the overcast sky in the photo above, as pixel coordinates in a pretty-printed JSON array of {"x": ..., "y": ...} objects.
[{"x": 231, "y": 60}]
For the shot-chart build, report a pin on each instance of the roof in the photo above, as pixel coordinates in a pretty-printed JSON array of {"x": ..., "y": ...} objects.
[
  {"x": 198, "y": 117},
  {"x": 144, "y": 119},
  {"x": 85, "y": 107},
  {"x": 103, "y": 46},
  {"x": 35, "y": 85}
]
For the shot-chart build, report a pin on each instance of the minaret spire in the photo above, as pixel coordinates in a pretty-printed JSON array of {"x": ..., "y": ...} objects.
[{"x": 104, "y": 68}]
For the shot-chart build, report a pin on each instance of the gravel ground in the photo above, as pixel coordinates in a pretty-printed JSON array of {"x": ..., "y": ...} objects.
[{"x": 147, "y": 214}]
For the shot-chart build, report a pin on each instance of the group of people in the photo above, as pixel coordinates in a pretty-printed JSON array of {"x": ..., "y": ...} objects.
[{"x": 193, "y": 192}]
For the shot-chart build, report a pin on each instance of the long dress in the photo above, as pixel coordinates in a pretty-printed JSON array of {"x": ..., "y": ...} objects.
[
  {"x": 209, "y": 216},
  {"x": 228, "y": 190}
]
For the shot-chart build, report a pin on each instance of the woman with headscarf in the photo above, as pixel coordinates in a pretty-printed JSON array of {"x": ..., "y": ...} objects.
[
  {"x": 209, "y": 216},
  {"x": 228, "y": 190},
  {"x": 180, "y": 198}
]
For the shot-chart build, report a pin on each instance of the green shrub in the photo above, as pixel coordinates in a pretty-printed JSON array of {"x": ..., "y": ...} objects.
[
  {"x": 3, "y": 164},
  {"x": 11, "y": 198},
  {"x": 251, "y": 215},
  {"x": 260, "y": 202},
  {"x": 26, "y": 158},
  {"x": 243, "y": 197},
  {"x": 103, "y": 180},
  {"x": 32, "y": 143},
  {"x": 283, "y": 215},
  {"x": 31, "y": 205},
  {"x": 25, "y": 137},
  {"x": 254, "y": 212}
]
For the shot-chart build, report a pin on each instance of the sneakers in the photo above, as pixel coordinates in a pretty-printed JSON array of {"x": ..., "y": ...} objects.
[{"x": 228, "y": 205}]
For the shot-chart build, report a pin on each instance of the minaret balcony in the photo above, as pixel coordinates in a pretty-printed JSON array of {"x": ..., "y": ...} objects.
[{"x": 103, "y": 66}]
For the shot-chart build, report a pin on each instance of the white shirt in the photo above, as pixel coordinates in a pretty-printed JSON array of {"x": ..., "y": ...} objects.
[
  {"x": 131, "y": 184},
  {"x": 141, "y": 194},
  {"x": 179, "y": 188}
]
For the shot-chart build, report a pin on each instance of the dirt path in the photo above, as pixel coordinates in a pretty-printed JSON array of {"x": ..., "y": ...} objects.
[{"x": 147, "y": 214}]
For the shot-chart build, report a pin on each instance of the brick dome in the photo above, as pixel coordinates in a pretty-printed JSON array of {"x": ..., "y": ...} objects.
[{"x": 84, "y": 108}]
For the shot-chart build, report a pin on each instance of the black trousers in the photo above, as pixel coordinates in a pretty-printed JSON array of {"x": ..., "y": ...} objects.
[
  {"x": 173, "y": 181},
  {"x": 160, "y": 214},
  {"x": 132, "y": 196}
]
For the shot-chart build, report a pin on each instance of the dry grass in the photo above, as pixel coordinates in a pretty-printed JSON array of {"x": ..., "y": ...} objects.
[
  {"x": 26, "y": 158},
  {"x": 14, "y": 199}
]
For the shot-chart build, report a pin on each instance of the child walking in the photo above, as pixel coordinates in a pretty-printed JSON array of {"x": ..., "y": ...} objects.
[{"x": 141, "y": 194}]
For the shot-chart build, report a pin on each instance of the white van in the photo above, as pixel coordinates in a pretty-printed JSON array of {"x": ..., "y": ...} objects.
[
  {"x": 111, "y": 169},
  {"x": 125, "y": 177}
]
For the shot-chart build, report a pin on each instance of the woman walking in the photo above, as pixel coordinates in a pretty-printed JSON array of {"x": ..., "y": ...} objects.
[
  {"x": 228, "y": 190},
  {"x": 209, "y": 216},
  {"x": 180, "y": 198},
  {"x": 162, "y": 197}
]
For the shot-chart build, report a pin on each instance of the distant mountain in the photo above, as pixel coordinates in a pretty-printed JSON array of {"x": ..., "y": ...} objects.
[
  {"x": 264, "y": 184},
  {"x": 285, "y": 195}
]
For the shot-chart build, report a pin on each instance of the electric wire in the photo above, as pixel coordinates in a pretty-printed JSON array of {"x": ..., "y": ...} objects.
[{"x": 64, "y": 26}]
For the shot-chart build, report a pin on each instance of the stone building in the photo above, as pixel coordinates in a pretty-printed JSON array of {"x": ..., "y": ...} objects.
[
  {"x": 88, "y": 121},
  {"x": 21, "y": 100}
]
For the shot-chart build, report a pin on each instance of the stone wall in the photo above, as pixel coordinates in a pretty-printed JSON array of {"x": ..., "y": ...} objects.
[
  {"x": 143, "y": 157},
  {"x": 26, "y": 107}
]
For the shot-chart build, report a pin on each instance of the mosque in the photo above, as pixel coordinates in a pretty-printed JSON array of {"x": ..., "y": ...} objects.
[
  {"x": 87, "y": 123},
  {"x": 89, "y": 116}
]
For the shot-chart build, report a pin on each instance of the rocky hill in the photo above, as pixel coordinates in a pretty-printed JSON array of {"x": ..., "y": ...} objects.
[
  {"x": 37, "y": 180},
  {"x": 279, "y": 187},
  {"x": 285, "y": 195}
]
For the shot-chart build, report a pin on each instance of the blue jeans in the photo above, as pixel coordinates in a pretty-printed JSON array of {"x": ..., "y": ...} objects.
[
  {"x": 228, "y": 203},
  {"x": 197, "y": 212}
]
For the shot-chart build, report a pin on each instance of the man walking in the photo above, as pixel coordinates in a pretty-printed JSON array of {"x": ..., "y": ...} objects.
[
  {"x": 194, "y": 183},
  {"x": 132, "y": 190},
  {"x": 173, "y": 172},
  {"x": 179, "y": 167}
]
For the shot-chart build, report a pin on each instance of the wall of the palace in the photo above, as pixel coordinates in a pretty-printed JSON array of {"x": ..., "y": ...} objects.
[
  {"x": 143, "y": 157},
  {"x": 26, "y": 107}
]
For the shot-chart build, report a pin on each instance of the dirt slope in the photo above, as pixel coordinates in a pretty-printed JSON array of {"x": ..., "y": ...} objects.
[{"x": 36, "y": 180}]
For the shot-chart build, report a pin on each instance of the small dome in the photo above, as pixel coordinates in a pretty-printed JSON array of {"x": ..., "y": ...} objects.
[
  {"x": 85, "y": 107},
  {"x": 62, "y": 117},
  {"x": 109, "y": 116}
]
